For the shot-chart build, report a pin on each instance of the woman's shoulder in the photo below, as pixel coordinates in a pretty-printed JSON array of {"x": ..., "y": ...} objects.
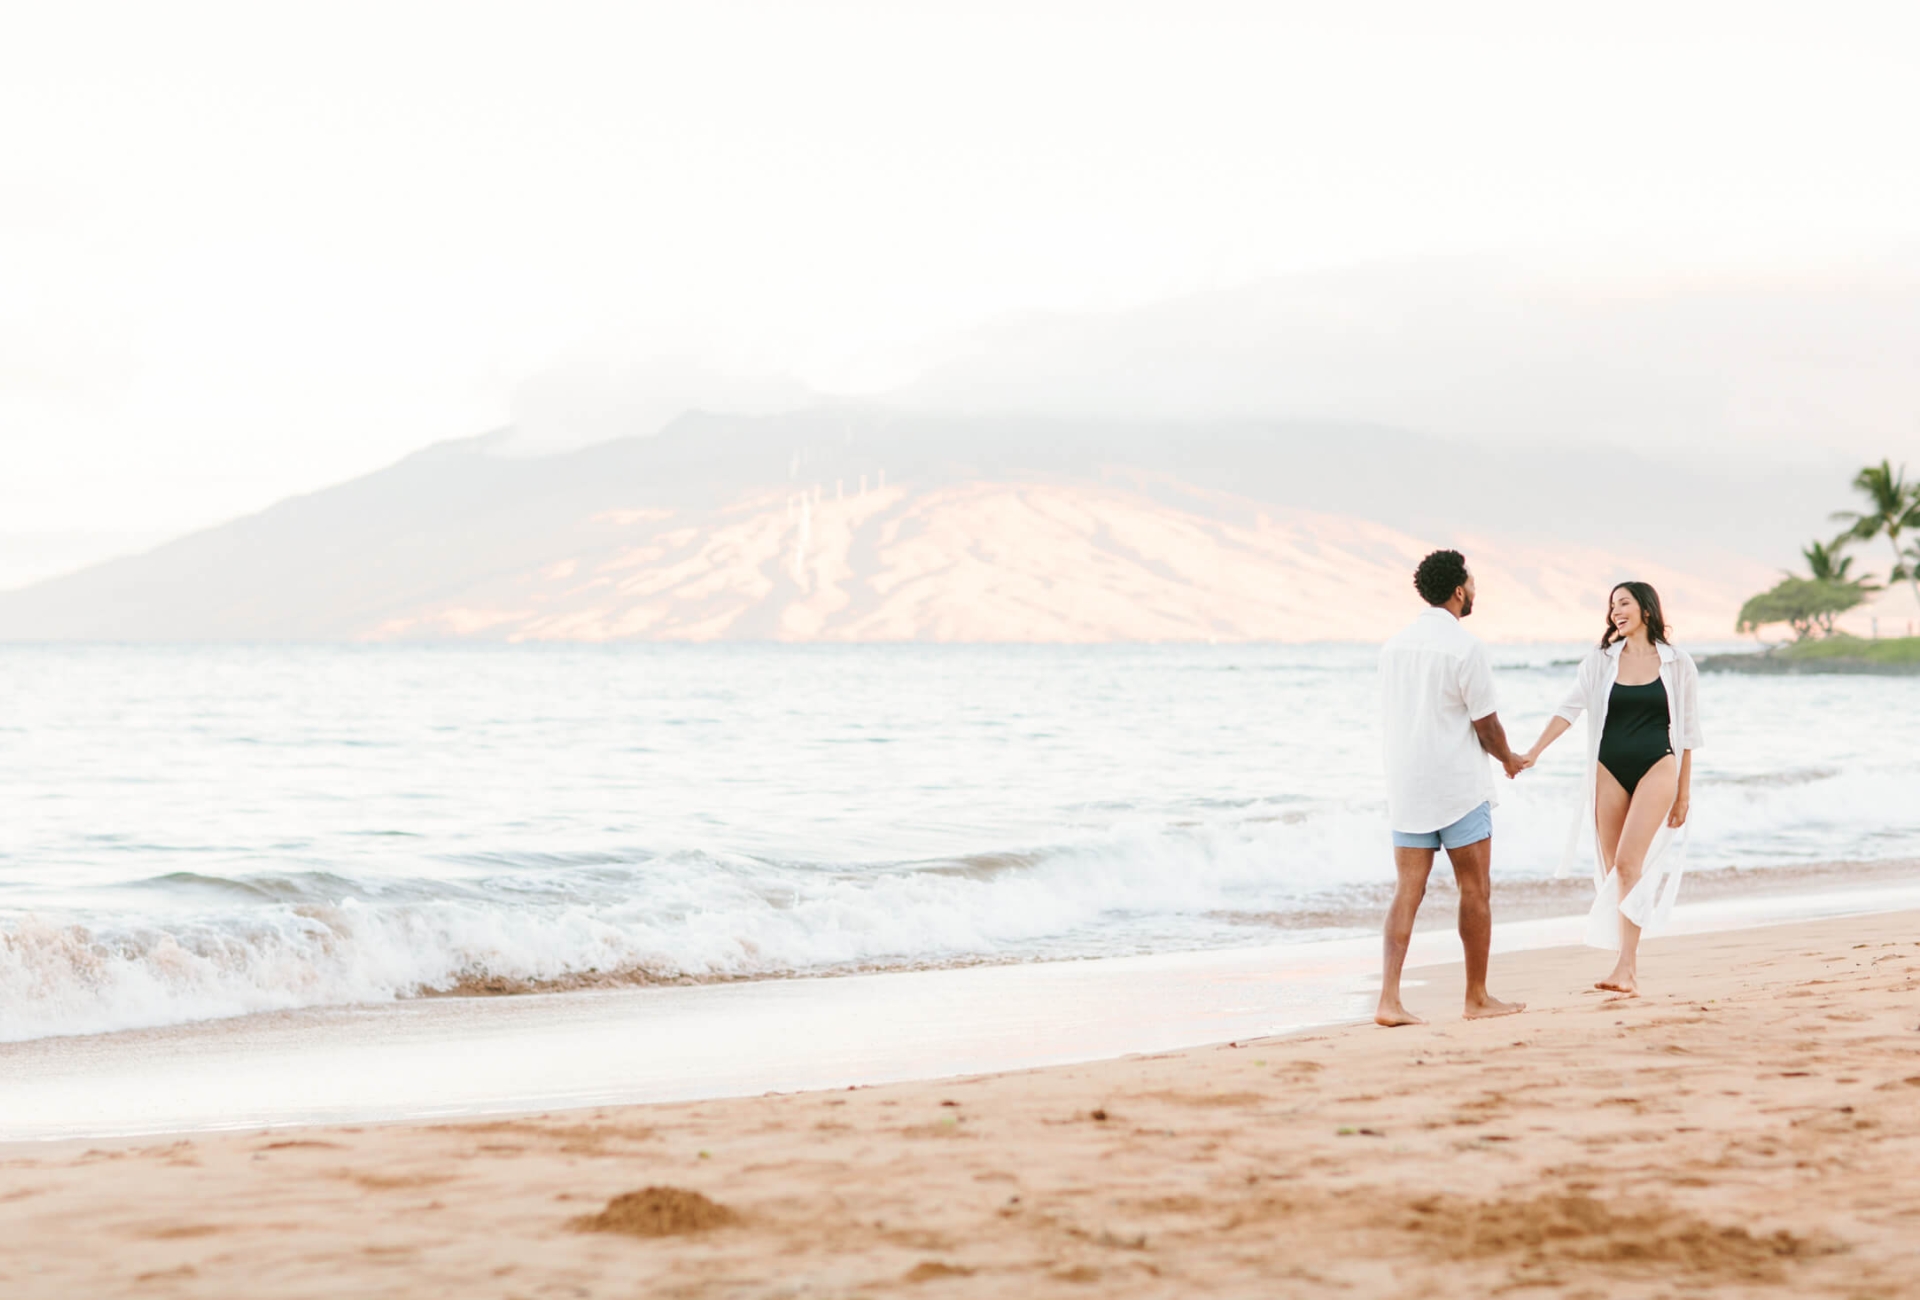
[
  {"x": 1682, "y": 660},
  {"x": 1590, "y": 670}
]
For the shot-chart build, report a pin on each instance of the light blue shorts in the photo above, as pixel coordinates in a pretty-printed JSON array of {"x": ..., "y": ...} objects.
[{"x": 1471, "y": 829}]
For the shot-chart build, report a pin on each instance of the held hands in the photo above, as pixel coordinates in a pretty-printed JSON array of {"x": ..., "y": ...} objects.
[{"x": 1515, "y": 764}]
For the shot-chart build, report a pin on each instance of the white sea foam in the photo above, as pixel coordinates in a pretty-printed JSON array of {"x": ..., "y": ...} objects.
[
  {"x": 201, "y": 834},
  {"x": 687, "y": 916},
  {"x": 1133, "y": 887}
]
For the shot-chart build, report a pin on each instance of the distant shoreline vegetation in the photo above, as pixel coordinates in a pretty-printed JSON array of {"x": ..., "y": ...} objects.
[
  {"x": 1839, "y": 653},
  {"x": 1809, "y": 605}
]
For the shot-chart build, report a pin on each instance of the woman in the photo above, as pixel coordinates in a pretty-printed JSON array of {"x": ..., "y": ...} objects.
[{"x": 1641, "y": 697}]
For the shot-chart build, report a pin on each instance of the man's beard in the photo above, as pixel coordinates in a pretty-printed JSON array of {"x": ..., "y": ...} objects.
[{"x": 1466, "y": 607}]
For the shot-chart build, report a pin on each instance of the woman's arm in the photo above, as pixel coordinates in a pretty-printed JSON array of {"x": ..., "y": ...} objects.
[
  {"x": 1690, "y": 738},
  {"x": 1556, "y": 727},
  {"x": 1690, "y": 735},
  {"x": 1683, "y": 797},
  {"x": 1576, "y": 702}
]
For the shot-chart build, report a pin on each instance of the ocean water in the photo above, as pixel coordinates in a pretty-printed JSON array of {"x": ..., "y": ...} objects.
[{"x": 189, "y": 833}]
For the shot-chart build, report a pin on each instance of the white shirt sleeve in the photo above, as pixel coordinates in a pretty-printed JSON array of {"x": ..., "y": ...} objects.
[
  {"x": 1476, "y": 683},
  {"x": 1687, "y": 682},
  {"x": 1574, "y": 703}
]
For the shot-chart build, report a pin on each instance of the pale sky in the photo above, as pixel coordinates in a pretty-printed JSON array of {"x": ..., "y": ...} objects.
[{"x": 249, "y": 250}]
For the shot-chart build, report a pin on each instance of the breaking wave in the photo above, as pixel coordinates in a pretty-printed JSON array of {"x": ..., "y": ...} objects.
[{"x": 192, "y": 946}]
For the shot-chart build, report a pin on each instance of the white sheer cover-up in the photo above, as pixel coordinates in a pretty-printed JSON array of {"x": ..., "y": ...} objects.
[{"x": 1648, "y": 904}]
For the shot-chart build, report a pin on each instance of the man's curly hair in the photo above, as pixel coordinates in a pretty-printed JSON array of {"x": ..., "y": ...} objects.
[{"x": 1439, "y": 576}]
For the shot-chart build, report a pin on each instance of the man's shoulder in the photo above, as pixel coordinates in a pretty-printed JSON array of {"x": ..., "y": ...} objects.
[
  {"x": 1466, "y": 642},
  {"x": 1416, "y": 635},
  {"x": 1428, "y": 634}
]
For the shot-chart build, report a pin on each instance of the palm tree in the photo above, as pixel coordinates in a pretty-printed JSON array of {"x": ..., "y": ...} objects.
[
  {"x": 1894, "y": 508},
  {"x": 1826, "y": 563}
]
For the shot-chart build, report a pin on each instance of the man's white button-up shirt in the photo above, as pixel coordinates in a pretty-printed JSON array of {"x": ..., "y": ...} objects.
[{"x": 1435, "y": 682}]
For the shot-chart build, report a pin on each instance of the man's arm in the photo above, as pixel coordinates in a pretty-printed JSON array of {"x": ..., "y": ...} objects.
[
  {"x": 1476, "y": 691},
  {"x": 1493, "y": 739}
]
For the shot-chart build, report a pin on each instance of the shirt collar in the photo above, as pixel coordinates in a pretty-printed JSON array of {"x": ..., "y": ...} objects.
[{"x": 1613, "y": 651}]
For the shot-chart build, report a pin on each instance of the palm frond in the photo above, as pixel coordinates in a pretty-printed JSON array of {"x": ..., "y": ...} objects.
[
  {"x": 1885, "y": 488},
  {"x": 1824, "y": 562},
  {"x": 1861, "y": 528}
]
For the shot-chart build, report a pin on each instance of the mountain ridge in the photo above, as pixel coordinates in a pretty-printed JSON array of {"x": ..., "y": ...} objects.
[{"x": 396, "y": 553}]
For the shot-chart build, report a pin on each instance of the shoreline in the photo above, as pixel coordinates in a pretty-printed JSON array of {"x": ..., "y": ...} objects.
[
  {"x": 476, "y": 1057},
  {"x": 1748, "y": 1125}
]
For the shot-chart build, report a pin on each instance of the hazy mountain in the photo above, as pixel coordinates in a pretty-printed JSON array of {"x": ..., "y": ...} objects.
[{"x": 978, "y": 528}]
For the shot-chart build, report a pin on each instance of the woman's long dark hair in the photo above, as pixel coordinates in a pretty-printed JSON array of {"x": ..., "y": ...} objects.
[{"x": 1649, "y": 601}]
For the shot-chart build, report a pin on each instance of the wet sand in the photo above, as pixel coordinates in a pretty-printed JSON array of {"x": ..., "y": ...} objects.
[{"x": 1751, "y": 1126}]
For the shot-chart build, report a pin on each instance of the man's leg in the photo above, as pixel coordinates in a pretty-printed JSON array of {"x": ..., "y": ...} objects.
[
  {"x": 1473, "y": 872},
  {"x": 1411, "y": 866}
]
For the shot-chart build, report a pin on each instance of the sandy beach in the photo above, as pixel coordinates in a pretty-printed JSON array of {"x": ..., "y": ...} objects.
[{"x": 1749, "y": 1127}]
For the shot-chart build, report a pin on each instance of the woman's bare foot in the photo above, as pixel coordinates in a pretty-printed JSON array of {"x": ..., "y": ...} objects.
[
  {"x": 1395, "y": 1016},
  {"x": 1620, "y": 982},
  {"x": 1485, "y": 1008}
]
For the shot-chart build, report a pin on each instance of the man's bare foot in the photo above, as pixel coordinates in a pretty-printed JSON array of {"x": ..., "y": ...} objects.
[
  {"x": 1395, "y": 1016},
  {"x": 1487, "y": 1007},
  {"x": 1620, "y": 983}
]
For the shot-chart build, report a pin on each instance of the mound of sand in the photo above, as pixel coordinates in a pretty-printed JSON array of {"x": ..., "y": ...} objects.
[
  {"x": 1552, "y": 1229},
  {"x": 658, "y": 1212}
]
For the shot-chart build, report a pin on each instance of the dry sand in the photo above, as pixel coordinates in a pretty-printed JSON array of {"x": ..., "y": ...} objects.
[{"x": 1751, "y": 1127}]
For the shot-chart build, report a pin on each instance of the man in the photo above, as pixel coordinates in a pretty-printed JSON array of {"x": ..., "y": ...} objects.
[{"x": 1436, "y": 685}]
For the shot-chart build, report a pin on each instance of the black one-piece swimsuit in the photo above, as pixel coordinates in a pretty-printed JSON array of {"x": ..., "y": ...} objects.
[{"x": 1635, "y": 737}]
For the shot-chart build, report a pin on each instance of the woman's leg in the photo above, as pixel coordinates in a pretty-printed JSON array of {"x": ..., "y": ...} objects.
[
  {"x": 1645, "y": 812},
  {"x": 1610, "y": 804},
  {"x": 1609, "y": 814}
]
